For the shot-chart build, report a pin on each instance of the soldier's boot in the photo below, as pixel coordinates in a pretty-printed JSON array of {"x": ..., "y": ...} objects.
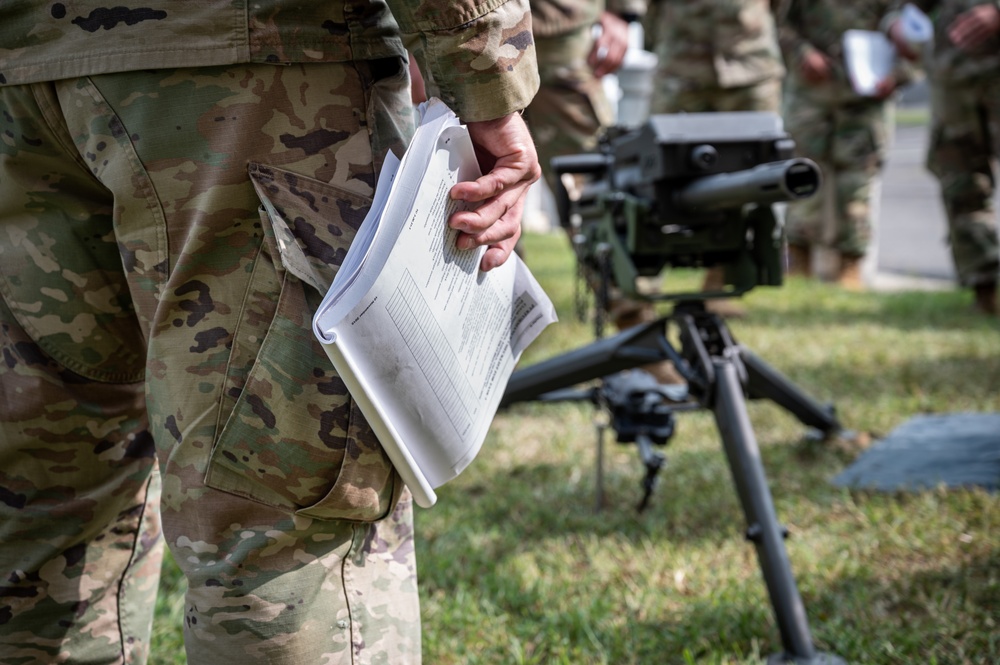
[
  {"x": 986, "y": 298},
  {"x": 849, "y": 277},
  {"x": 799, "y": 261},
  {"x": 727, "y": 308},
  {"x": 627, "y": 314}
]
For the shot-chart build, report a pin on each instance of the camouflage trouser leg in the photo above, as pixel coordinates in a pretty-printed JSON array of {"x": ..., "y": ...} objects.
[
  {"x": 964, "y": 146},
  {"x": 849, "y": 142},
  {"x": 135, "y": 249},
  {"x": 80, "y": 545},
  {"x": 570, "y": 110},
  {"x": 674, "y": 97}
]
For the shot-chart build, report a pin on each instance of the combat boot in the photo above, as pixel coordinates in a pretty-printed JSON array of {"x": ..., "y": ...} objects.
[
  {"x": 986, "y": 298},
  {"x": 799, "y": 261},
  {"x": 849, "y": 276}
]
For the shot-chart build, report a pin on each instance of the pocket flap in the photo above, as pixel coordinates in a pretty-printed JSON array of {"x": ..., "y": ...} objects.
[{"x": 314, "y": 222}]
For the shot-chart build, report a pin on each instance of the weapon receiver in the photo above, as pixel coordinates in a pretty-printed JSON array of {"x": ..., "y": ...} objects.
[{"x": 685, "y": 190}]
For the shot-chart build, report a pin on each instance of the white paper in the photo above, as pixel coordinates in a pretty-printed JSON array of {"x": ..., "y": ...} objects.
[
  {"x": 422, "y": 338},
  {"x": 916, "y": 25},
  {"x": 870, "y": 57}
]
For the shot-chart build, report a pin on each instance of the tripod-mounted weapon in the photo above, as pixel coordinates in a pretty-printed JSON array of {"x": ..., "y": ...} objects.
[{"x": 688, "y": 190}]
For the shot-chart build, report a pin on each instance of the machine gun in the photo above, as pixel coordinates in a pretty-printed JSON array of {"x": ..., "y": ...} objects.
[
  {"x": 688, "y": 190},
  {"x": 692, "y": 190}
]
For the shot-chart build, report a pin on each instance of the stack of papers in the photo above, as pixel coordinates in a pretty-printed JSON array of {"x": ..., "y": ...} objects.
[{"x": 424, "y": 341}]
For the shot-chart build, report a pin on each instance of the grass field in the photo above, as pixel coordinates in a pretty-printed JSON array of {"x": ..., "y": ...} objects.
[{"x": 516, "y": 565}]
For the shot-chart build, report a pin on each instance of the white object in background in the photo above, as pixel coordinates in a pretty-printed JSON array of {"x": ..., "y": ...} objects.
[
  {"x": 635, "y": 80},
  {"x": 630, "y": 98},
  {"x": 870, "y": 57},
  {"x": 918, "y": 30}
]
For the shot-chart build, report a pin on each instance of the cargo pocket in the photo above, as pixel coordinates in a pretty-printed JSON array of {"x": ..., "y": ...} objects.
[{"x": 293, "y": 438}]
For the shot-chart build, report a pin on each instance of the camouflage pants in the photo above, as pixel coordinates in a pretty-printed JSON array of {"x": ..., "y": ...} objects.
[
  {"x": 964, "y": 146},
  {"x": 671, "y": 96},
  {"x": 570, "y": 110},
  {"x": 149, "y": 331},
  {"x": 849, "y": 140}
]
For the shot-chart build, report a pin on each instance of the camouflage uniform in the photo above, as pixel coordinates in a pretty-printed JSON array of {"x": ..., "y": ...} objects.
[
  {"x": 964, "y": 140},
  {"x": 571, "y": 110},
  {"x": 715, "y": 55},
  {"x": 845, "y": 133},
  {"x": 152, "y": 338}
]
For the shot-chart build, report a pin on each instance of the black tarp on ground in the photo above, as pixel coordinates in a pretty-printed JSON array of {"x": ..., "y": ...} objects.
[{"x": 955, "y": 450}]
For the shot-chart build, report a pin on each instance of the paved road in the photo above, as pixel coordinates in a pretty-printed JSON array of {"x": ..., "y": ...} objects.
[{"x": 910, "y": 235}]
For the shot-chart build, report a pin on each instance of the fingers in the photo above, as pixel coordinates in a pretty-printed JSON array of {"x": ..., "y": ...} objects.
[
  {"x": 507, "y": 156},
  {"x": 495, "y": 220},
  {"x": 499, "y": 237},
  {"x": 815, "y": 67},
  {"x": 610, "y": 44},
  {"x": 964, "y": 33},
  {"x": 607, "y": 59},
  {"x": 504, "y": 176},
  {"x": 974, "y": 26},
  {"x": 496, "y": 256},
  {"x": 899, "y": 41},
  {"x": 607, "y": 55},
  {"x": 885, "y": 88}
]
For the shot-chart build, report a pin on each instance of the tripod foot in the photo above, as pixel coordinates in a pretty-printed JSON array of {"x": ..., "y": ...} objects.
[{"x": 816, "y": 659}]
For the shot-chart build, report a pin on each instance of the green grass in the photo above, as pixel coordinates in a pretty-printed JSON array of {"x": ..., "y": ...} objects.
[
  {"x": 516, "y": 566},
  {"x": 910, "y": 116}
]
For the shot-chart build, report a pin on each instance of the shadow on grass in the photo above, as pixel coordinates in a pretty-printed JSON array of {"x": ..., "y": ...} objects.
[
  {"x": 694, "y": 503},
  {"x": 860, "y": 618},
  {"x": 945, "y": 615},
  {"x": 891, "y": 609}
]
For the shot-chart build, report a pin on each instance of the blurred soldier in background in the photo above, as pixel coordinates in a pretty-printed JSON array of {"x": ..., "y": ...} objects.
[
  {"x": 964, "y": 71},
  {"x": 715, "y": 56},
  {"x": 845, "y": 132},
  {"x": 578, "y": 42}
]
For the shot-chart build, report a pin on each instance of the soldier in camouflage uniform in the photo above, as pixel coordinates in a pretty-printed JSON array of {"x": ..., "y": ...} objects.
[
  {"x": 715, "y": 56},
  {"x": 964, "y": 71},
  {"x": 846, "y": 133},
  {"x": 571, "y": 110},
  {"x": 156, "y": 353}
]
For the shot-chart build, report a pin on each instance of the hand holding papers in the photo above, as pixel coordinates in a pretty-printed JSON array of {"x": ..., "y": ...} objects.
[
  {"x": 870, "y": 58},
  {"x": 424, "y": 340}
]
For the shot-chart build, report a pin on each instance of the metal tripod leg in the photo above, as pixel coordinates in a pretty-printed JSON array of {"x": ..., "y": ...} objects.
[
  {"x": 740, "y": 443},
  {"x": 766, "y": 382}
]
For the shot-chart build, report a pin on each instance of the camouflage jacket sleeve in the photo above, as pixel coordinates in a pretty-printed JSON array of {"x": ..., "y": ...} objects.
[
  {"x": 478, "y": 55},
  {"x": 551, "y": 18},
  {"x": 630, "y": 8}
]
